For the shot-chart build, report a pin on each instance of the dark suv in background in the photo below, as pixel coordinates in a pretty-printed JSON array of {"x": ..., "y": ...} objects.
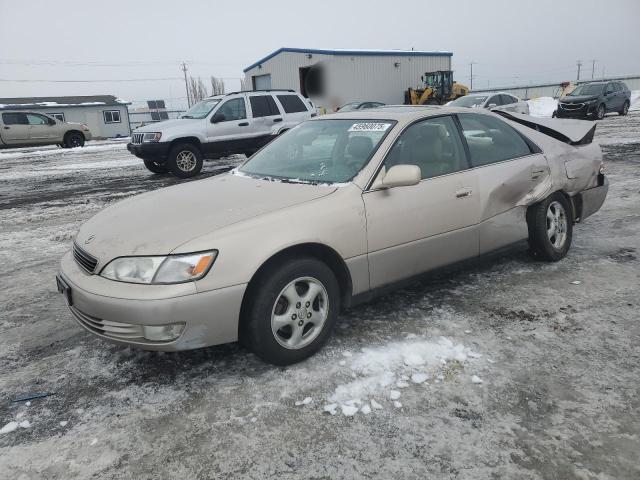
[{"x": 594, "y": 100}]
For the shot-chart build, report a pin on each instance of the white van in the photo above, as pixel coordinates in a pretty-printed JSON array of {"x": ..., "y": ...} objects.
[{"x": 238, "y": 122}]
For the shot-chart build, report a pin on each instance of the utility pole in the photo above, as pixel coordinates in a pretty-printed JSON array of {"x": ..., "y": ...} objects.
[
  {"x": 593, "y": 68},
  {"x": 186, "y": 84},
  {"x": 471, "y": 76},
  {"x": 579, "y": 63}
]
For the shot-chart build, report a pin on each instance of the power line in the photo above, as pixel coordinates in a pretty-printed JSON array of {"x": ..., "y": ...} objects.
[{"x": 24, "y": 80}]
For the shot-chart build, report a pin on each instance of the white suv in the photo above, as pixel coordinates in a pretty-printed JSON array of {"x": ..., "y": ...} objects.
[{"x": 238, "y": 122}]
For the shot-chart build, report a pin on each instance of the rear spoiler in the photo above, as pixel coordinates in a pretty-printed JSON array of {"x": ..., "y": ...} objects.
[{"x": 573, "y": 132}]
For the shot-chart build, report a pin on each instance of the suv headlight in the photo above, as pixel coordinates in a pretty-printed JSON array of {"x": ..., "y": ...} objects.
[
  {"x": 160, "y": 270},
  {"x": 151, "y": 137}
]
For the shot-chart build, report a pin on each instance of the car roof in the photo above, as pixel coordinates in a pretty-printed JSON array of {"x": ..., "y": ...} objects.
[{"x": 404, "y": 113}]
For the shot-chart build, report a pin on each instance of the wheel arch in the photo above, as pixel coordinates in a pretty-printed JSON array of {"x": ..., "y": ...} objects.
[
  {"x": 193, "y": 140},
  {"x": 73, "y": 130},
  {"x": 574, "y": 203},
  {"x": 319, "y": 251}
]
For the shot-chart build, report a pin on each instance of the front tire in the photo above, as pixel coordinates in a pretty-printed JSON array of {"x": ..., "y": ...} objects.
[
  {"x": 185, "y": 160},
  {"x": 625, "y": 108},
  {"x": 155, "y": 167},
  {"x": 601, "y": 111},
  {"x": 550, "y": 228},
  {"x": 291, "y": 311}
]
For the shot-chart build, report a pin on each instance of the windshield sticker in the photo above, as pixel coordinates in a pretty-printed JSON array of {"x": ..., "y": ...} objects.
[{"x": 369, "y": 127}]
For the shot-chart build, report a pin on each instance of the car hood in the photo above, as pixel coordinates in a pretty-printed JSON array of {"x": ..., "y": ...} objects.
[
  {"x": 166, "y": 124},
  {"x": 158, "y": 222},
  {"x": 578, "y": 98}
]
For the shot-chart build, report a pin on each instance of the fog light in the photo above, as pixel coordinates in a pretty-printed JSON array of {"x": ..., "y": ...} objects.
[{"x": 163, "y": 333}]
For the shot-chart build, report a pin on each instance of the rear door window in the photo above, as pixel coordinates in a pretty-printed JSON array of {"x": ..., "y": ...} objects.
[
  {"x": 14, "y": 119},
  {"x": 291, "y": 103},
  {"x": 263, "y": 106},
  {"x": 491, "y": 140}
]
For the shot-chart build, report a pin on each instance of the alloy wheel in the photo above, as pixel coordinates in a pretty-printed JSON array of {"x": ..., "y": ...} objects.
[
  {"x": 186, "y": 161},
  {"x": 556, "y": 225},
  {"x": 299, "y": 313}
]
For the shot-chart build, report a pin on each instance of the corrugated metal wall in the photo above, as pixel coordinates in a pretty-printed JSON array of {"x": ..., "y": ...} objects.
[{"x": 352, "y": 78}]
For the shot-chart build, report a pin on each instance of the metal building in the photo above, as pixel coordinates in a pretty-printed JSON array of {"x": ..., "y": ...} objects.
[
  {"x": 105, "y": 115},
  {"x": 347, "y": 75}
]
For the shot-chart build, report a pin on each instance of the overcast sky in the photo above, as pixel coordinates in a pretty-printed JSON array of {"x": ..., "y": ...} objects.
[{"x": 510, "y": 41}]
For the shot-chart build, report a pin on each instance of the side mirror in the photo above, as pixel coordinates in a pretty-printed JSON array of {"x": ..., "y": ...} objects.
[
  {"x": 492, "y": 105},
  {"x": 51, "y": 121},
  {"x": 218, "y": 117},
  {"x": 401, "y": 176}
]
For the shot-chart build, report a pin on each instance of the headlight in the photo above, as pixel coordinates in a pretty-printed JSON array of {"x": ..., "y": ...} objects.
[
  {"x": 151, "y": 137},
  {"x": 160, "y": 270}
]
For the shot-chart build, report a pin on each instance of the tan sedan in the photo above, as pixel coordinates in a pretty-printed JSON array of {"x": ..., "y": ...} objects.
[{"x": 330, "y": 213}]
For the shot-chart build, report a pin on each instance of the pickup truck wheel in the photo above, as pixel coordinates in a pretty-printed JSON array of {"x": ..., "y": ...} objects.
[
  {"x": 185, "y": 160},
  {"x": 154, "y": 167},
  {"x": 550, "y": 228},
  {"x": 73, "y": 139},
  {"x": 625, "y": 108},
  {"x": 291, "y": 310}
]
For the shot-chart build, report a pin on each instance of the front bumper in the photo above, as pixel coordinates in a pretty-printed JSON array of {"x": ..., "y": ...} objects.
[
  {"x": 584, "y": 110},
  {"x": 210, "y": 318},
  {"x": 593, "y": 198},
  {"x": 158, "y": 152}
]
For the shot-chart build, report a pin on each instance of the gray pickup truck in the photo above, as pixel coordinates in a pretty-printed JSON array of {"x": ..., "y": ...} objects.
[{"x": 23, "y": 129}]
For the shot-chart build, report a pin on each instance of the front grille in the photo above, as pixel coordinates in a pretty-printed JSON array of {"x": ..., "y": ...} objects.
[
  {"x": 136, "y": 138},
  {"x": 116, "y": 330},
  {"x": 572, "y": 106},
  {"x": 84, "y": 259}
]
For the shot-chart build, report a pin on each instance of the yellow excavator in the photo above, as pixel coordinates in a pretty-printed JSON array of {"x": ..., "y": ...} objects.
[{"x": 439, "y": 88}]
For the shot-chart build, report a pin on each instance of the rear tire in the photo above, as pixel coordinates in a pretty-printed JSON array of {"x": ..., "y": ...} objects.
[
  {"x": 291, "y": 310},
  {"x": 73, "y": 140},
  {"x": 625, "y": 108},
  {"x": 550, "y": 228},
  {"x": 155, "y": 167},
  {"x": 185, "y": 160}
]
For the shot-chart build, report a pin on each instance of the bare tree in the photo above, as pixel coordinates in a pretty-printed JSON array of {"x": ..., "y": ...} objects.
[
  {"x": 217, "y": 86},
  {"x": 197, "y": 90}
]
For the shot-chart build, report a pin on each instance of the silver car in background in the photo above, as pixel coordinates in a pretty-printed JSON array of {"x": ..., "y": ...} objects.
[
  {"x": 492, "y": 101},
  {"x": 329, "y": 214}
]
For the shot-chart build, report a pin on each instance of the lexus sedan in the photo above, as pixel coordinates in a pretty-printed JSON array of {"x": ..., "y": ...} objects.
[{"x": 330, "y": 213}]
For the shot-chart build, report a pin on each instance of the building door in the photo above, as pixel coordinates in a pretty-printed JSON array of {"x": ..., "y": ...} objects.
[{"x": 262, "y": 82}]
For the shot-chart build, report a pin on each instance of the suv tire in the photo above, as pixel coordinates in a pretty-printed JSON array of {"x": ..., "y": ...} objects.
[
  {"x": 550, "y": 225},
  {"x": 302, "y": 295},
  {"x": 73, "y": 139},
  {"x": 185, "y": 160},
  {"x": 601, "y": 111},
  {"x": 625, "y": 108},
  {"x": 154, "y": 166}
]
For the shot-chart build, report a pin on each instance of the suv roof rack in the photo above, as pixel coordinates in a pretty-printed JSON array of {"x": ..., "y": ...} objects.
[{"x": 265, "y": 90}]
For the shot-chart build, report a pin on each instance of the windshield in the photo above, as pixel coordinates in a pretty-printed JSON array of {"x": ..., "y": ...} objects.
[
  {"x": 201, "y": 109},
  {"x": 594, "y": 89},
  {"x": 322, "y": 151},
  {"x": 469, "y": 101}
]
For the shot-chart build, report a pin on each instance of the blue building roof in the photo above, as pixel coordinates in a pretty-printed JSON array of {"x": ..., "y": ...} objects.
[{"x": 360, "y": 53}]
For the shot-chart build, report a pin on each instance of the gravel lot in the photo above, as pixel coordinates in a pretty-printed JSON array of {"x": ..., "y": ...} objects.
[{"x": 510, "y": 369}]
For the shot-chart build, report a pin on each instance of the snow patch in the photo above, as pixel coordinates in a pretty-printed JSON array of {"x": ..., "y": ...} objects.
[
  {"x": 306, "y": 401},
  {"x": 635, "y": 100},
  {"x": 476, "y": 379},
  {"x": 542, "y": 106},
  {"x": 9, "y": 427}
]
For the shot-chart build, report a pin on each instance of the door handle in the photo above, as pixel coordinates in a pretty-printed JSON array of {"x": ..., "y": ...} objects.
[
  {"x": 243, "y": 124},
  {"x": 537, "y": 173},
  {"x": 276, "y": 120},
  {"x": 463, "y": 193}
]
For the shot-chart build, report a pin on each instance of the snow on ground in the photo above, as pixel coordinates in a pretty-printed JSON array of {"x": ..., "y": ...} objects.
[
  {"x": 88, "y": 149},
  {"x": 542, "y": 106}
]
